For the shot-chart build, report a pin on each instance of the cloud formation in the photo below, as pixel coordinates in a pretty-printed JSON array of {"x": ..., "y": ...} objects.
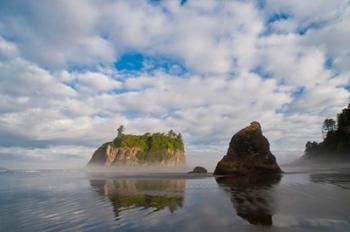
[{"x": 204, "y": 68}]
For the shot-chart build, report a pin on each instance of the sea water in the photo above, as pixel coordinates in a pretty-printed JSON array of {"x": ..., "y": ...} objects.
[{"x": 62, "y": 200}]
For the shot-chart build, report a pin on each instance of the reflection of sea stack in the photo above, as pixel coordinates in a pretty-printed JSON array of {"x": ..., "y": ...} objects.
[
  {"x": 146, "y": 194},
  {"x": 134, "y": 150},
  {"x": 248, "y": 153},
  {"x": 251, "y": 196}
]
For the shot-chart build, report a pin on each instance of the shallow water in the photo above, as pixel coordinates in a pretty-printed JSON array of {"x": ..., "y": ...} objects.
[{"x": 301, "y": 200}]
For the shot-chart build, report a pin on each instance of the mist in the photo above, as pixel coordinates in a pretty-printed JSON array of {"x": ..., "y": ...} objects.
[{"x": 140, "y": 169}]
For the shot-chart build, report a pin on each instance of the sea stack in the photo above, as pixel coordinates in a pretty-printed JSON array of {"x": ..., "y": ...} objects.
[
  {"x": 161, "y": 149},
  {"x": 199, "y": 169},
  {"x": 248, "y": 153}
]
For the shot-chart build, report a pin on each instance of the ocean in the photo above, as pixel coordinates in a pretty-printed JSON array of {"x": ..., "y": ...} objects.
[{"x": 302, "y": 199}]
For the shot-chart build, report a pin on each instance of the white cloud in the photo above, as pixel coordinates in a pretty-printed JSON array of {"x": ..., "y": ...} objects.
[
  {"x": 21, "y": 78},
  {"x": 94, "y": 82},
  {"x": 7, "y": 50},
  {"x": 333, "y": 38},
  {"x": 59, "y": 88},
  {"x": 56, "y": 33},
  {"x": 307, "y": 12}
]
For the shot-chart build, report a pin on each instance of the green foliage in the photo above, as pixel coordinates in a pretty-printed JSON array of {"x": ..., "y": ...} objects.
[
  {"x": 154, "y": 147},
  {"x": 134, "y": 141}
]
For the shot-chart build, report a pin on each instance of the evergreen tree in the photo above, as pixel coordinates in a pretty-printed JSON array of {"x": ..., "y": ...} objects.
[
  {"x": 120, "y": 131},
  {"x": 328, "y": 126},
  {"x": 172, "y": 133}
]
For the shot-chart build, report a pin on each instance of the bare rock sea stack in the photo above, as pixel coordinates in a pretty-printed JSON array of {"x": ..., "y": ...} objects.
[
  {"x": 199, "y": 169},
  {"x": 248, "y": 153}
]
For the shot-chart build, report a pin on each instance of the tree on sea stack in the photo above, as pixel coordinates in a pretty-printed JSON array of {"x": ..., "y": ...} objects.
[
  {"x": 179, "y": 137},
  {"x": 120, "y": 131},
  {"x": 172, "y": 133},
  {"x": 133, "y": 150}
]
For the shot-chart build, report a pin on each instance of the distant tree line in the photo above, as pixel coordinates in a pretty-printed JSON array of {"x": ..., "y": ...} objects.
[{"x": 336, "y": 137}]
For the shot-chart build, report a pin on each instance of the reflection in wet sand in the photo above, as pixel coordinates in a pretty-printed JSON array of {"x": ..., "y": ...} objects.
[
  {"x": 251, "y": 197},
  {"x": 144, "y": 194}
]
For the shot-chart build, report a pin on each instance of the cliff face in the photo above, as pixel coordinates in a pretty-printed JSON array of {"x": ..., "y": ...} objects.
[
  {"x": 131, "y": 150},
  {"x": 248, "y": 153},
  {"x": 108, "y": 155}
]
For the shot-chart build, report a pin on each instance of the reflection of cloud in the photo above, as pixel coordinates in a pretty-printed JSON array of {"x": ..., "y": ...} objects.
[
  {"x": 145, "y": 194},
  {"x": 251, "y": 197}
]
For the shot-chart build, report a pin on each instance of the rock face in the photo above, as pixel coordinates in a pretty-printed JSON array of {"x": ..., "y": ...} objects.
[
  {"x": 248, "y": 153},
  {"x": 108, "y": 155},
  {"x": 199, "y": 169}
]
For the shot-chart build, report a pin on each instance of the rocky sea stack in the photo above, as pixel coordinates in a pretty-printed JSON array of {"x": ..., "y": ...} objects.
[
  {"x": 199, "y": 169},
  {"x": 137, "y": 150},
  {"x": 248, "y": 153}
]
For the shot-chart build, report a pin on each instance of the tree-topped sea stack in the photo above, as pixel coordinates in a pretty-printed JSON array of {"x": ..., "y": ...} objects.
[
  {"x": 248, "y": 153},
  {"x": 135, "y": 150}
]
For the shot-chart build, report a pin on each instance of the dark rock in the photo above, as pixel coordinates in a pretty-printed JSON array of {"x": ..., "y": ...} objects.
[
  {"x": 99, "y": 157},
  {"x": 248, "y": 153},
  {"x": 199, "y": 169}
]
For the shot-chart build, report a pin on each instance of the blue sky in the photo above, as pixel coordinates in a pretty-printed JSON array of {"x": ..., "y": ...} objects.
[{"x": 72, "y": 71}]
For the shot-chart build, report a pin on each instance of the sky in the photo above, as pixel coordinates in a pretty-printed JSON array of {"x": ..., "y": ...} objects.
[{"x": 71, "y": 72}]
